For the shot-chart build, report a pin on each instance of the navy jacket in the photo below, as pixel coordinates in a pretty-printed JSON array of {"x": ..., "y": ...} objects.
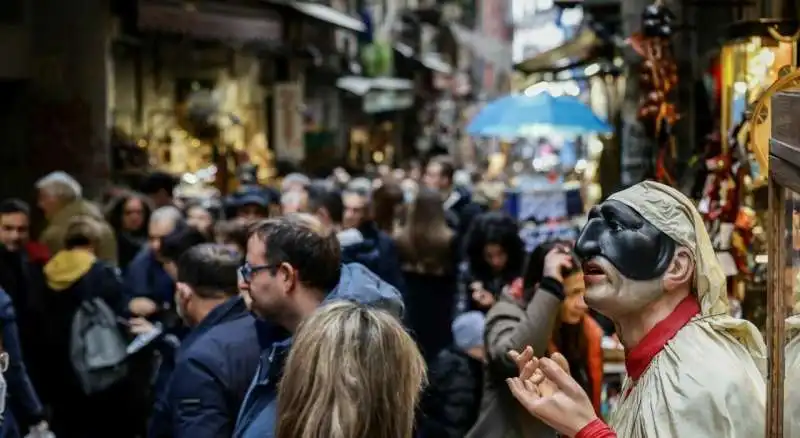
[
  {"x": 213, "y": 369},
  {"x": 258, "y": 415},
  {"x": 461, "y": 211},
  {"x": 375, "y": 250},
  {"x": 145, "y": 277},
  {"x": 20, "y": 387}
]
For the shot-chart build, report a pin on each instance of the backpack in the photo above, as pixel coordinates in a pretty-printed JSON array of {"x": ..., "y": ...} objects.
[{"x": 97, "y": 346}]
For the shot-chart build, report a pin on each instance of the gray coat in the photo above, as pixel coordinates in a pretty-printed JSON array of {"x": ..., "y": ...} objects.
[{"x": 510, "y": 326}]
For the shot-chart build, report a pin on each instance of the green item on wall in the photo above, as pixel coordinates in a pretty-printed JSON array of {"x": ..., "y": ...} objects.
[{"x": 378, "y": 59}]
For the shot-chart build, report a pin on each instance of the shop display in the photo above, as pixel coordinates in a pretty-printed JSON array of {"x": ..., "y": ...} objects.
[
  {"x": 753, "y": 64},
  {"x": 754, "y": 59},
  {"x": 193, "y": 119},
  {"x": 727, "y": 209},
  {"x": 658, "y": 78}
]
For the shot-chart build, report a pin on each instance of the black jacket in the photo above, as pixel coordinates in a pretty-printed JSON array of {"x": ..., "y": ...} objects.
[
  {"x": 375, "y": 250},
  {"x": 451, "y": 402}
]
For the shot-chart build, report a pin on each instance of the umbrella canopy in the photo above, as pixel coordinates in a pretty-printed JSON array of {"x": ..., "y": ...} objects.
[{"x": 520, "y": 115}]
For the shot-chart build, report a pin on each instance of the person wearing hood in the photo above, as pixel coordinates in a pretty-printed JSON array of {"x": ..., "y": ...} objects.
[
  {"x": 293, "y": 265},
  {"x": 73, "y": 275},
  {"x": 361, "y": 242},
  {"x": 439, "y": 175},
  {"x": 60, "y": 197}
]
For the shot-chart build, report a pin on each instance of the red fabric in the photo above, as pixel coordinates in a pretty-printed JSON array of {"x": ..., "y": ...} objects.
[
  {"x": 37, "y": 252},
  {"x": 596, "y": 429},
  {"x": 639, "y": 358},
  {"x": 516, "y": 289}
]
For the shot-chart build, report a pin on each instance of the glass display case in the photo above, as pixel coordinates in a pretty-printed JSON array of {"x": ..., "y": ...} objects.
[
  {"x": 757, "y": 53},
  {"x": 783, "y": 313}
]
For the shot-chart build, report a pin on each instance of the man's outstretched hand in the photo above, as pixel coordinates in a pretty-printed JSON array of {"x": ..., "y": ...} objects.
[{"x": 545, "y": 388}]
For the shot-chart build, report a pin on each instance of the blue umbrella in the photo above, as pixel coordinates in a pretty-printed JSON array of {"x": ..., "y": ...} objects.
[{"x": 519, "y": 115}]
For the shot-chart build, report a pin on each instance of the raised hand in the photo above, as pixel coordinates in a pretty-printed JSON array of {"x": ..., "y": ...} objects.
[{"x": 546, "y": 390}]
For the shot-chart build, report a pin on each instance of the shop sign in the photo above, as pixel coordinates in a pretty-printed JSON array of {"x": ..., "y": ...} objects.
[
  {"x": 207, "y": 21},
  {"x": 287, "y": 110},
  {"x": 378, "y": 101}
]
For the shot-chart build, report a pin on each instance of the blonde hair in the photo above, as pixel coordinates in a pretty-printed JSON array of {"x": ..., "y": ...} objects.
[{"x": 353, "y": 372}]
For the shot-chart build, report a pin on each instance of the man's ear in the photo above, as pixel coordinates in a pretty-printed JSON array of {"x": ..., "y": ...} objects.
[
  {"x": 324, "y": 216},
  {"x": 183, "y": 290},
  {"x": 680, "y": 271}
]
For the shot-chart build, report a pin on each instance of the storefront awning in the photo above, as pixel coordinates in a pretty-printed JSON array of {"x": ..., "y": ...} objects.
[
  {"x": 431, "y": 61},
  {"x": 579, "y": 47},
  {"x": 435, "y": 63},
  {"x": 208, "y": 21},
  {"x": 360, "y": 85},
  {"x": 496, "y": 52},
  {"x": 330, "y": 15}
]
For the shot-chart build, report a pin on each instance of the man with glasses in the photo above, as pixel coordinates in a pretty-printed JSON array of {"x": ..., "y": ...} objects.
[
  {"x": 293, "y": 265},
  {"x": 218, "y": 358}
]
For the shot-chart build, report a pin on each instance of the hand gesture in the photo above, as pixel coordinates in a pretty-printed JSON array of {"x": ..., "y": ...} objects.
[
  {"x": 142, "y": 306},
  {"x": 556, "y": 262},
  {"x": 140, "y": 326},
  {"x": 546, "y": 390},
  {"x": 481, "y": 296}
]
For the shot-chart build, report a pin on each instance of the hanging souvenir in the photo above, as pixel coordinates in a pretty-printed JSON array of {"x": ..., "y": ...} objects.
[{"x": 658, "y": 78}]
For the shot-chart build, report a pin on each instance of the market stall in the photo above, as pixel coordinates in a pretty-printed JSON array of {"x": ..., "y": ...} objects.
[
  {"x": 784, "y": 267},
  {"x": 189, "y": 108},
  {"x": 754, "y": 64}
]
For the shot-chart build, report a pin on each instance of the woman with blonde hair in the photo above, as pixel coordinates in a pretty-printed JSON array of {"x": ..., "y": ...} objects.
[{"x": 352, "y": 372}]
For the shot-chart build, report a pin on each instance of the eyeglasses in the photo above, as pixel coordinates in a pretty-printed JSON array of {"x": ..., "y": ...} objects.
[
  {"x": 246, "y": 271},
  {"x": 4, "y": 362}
]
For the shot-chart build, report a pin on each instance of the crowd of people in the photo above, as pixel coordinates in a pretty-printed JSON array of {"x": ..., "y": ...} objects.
[{"x": 379, "y": 306}]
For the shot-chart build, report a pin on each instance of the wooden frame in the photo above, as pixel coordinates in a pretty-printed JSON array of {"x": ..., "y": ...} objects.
[{"x": 784, "y": 176}]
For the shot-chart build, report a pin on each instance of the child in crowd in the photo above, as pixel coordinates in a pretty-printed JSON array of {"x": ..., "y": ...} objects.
[{"x": 451, "y": 402}]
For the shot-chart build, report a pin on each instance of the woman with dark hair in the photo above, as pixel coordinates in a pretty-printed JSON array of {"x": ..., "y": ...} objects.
[
  {"x": 494, "y": 252},
  {"x": 545, "y": 311},
  {"x": 128, "y": 214},
  {"x": 202, "y": 215},
  {"x": 428, "y": 259},
  {"x": 387, "y": 202},
  {"x": 575, "y": 334}
]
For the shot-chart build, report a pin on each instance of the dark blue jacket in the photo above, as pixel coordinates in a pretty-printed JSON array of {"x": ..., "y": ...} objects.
[
  {"x": 213, "y": 369},
  {"x": 20, "y": 387},
  {"x": 377, "y": 251},
  {"x": 461, "y": 211},
  {"x": 257, "y": 417},
  {"x": 145, "y": 277}
]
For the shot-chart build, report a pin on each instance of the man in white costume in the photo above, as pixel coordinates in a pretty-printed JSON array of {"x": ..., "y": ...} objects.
[{"x": 693, "y": 371}]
